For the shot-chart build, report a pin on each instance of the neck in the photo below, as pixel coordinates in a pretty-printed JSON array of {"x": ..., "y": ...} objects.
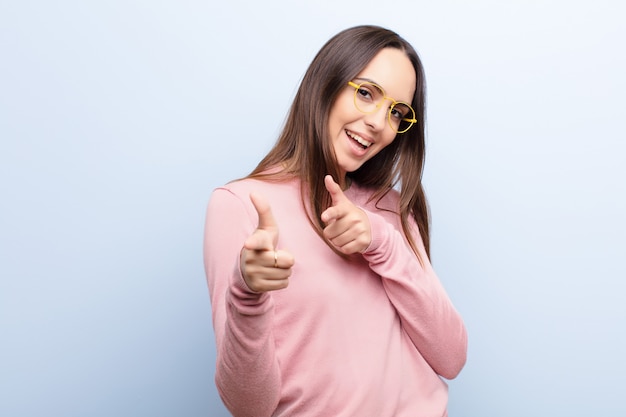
[{"x": 345, "y": 183}]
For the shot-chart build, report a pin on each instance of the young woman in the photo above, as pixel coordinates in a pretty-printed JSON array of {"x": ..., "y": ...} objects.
[{"x": 323, "y": 296}]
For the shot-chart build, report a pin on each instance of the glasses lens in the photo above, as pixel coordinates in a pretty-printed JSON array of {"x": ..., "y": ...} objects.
[
  {"x": 367, "y": 97},
  {"x": 401, "y": 117}
]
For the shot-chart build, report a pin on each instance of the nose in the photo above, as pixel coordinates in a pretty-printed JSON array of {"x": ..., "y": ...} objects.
[{"x": 377, "y": 120}]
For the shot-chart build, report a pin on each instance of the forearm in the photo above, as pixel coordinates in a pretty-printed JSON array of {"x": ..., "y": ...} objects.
[
  {"x": 426, "y": 312},
  {"x": 431, "y": 322},
  {"x": 247, "y": 374}
]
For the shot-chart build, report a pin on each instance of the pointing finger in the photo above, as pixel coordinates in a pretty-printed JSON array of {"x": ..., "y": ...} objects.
[{"x": 260, "y": 240}]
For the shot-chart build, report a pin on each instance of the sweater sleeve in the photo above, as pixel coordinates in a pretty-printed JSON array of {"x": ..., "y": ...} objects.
[
  {"x": 247, "y": 373},
  {"x": 426, "y": 312}
]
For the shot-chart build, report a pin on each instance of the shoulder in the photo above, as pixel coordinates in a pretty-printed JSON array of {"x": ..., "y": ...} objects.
[
  {"x": 238, "y": 187},
  {"x": 243, "y": 187},
  {"x": 237, "y": 193},
  {"x": 365, "y": 197},
  {"x": 390, "y": 201}
]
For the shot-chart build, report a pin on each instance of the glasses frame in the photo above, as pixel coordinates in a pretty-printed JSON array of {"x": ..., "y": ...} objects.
[{"x": 356, "y": 87}]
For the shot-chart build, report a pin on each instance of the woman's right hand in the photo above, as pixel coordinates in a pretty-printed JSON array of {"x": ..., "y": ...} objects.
[{"x": 263, "y": 267}]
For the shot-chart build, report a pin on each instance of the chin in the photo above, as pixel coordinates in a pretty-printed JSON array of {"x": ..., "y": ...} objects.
[{"x": 347, "y": 169}]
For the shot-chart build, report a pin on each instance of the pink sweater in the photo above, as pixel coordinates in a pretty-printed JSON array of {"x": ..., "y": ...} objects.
[{"x": 366, "y": 337}]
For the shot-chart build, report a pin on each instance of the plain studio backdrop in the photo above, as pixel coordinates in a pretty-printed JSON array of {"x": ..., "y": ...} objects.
[{"x": 118, "y": 118}]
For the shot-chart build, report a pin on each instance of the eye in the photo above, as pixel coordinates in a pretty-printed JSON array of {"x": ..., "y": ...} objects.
[
  {"x": 364, "y": 94},
  {"x": 398, "y": 112}
]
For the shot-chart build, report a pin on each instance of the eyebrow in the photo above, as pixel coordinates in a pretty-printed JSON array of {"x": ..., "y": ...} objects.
[
  {"x": 372, "y": 81},
  {"x": 366, "y": 79}
]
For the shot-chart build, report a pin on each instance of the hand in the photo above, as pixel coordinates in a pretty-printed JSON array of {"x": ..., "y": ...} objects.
[
  {"x": 262, "y": 266},
  {"x": 347, "y": 226}
]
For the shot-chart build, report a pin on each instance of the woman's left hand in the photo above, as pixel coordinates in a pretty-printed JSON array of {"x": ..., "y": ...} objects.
[{"x": 347, "y": 226}]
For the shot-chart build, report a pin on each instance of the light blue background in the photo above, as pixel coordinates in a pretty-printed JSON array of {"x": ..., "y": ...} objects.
[{"x": 118, "y": 118}]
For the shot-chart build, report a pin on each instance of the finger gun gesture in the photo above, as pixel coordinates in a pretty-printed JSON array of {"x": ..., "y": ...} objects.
[
  {"x": 347, "y": 226},
  {"x": 264, "y": 268}
]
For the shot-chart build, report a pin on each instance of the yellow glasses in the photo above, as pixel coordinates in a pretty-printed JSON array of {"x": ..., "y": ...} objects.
[{"x": 368, "y": 97}]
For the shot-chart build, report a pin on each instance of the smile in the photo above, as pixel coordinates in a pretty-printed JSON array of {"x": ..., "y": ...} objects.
[{"x": 364, "y": 144}]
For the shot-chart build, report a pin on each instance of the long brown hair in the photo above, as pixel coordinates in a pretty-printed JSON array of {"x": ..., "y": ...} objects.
[{"x": 304, "y": 149}]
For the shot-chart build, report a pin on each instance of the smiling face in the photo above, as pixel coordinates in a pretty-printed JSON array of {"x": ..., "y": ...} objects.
[{"x": 357, "y": 137}]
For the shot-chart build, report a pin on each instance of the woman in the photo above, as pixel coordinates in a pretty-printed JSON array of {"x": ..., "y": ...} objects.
[{"x": 324, "y": 300}]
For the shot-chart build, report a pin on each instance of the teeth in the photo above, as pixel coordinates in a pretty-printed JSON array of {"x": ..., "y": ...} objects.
[{"x": 359, "y": 139}]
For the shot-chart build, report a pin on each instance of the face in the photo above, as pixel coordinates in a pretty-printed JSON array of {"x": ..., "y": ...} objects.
[{"x": 356, "y": 137}]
